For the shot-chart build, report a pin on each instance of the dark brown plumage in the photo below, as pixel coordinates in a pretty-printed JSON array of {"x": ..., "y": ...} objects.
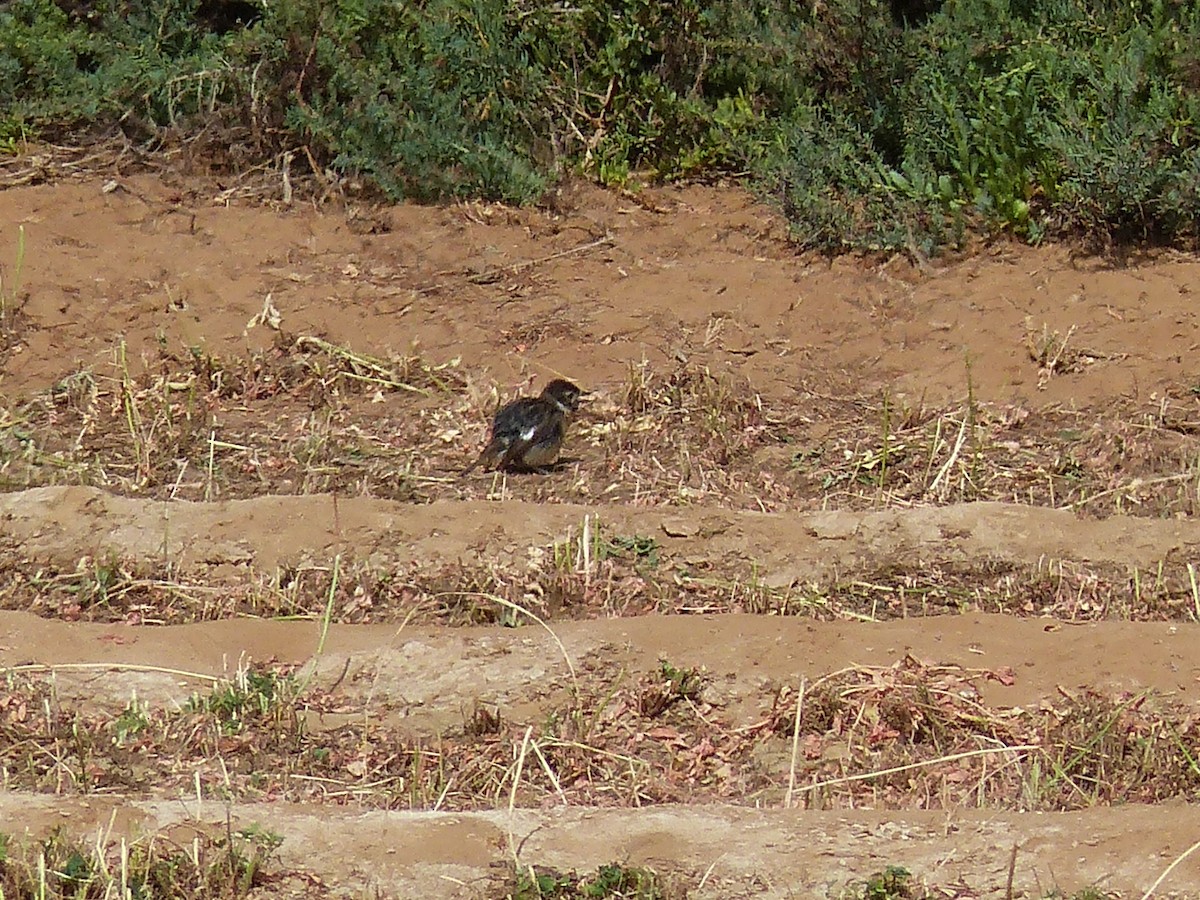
[{"x": 528, "y": 432}]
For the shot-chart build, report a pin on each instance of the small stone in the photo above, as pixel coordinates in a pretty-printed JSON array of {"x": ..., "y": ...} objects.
[{"x": 679, "y": 528}]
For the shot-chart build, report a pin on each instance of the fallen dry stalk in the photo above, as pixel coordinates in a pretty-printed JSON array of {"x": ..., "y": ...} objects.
[
  {"x": 518, "y": 608},
  {"x": 923, "y": 764},
  {"x": 1169, "y": 869},
  {"x": 110, "y": 667},
  {"x": 787, "y": 800},
  {"x": 512, "y": 796}
]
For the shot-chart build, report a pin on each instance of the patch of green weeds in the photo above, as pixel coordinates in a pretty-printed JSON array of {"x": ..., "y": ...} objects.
[
  {"x": 893, "y": 883},
  {"x": 617, "y": 881},
  {"x": 98, "y": 582},
  {"x": 251, "y": 695},
  {"x": 14, "y": 137},
  {"x": 131, "y": 722},
  {"x": 532, "y": 883},
  {"x": 642, "y": 550},
  {"x": 609, "y": 882},
  {"x": 59, "y": 866},
  {"x": 667, "y": 687}
]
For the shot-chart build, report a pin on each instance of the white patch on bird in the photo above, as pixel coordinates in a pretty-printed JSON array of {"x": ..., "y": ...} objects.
[{"x": 528, "y": 433}]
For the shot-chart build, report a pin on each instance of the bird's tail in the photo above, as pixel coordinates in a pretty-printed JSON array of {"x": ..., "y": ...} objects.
[{"x": 488, "y": 458}]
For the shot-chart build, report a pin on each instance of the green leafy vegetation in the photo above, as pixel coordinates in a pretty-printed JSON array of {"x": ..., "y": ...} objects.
[
  {"x": 893, "y": 883},
  {"x": 872, "y": 124},
  {"x": 252, "y": 695},
  {"x": 59, "y": 866},
  {"x": 609, "y": 882}
]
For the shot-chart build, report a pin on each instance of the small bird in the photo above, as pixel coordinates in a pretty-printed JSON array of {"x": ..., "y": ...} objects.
[{"x": 528, "y": 432}]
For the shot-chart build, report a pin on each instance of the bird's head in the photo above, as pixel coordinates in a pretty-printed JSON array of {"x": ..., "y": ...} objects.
[{"x": 563, "y": 394}]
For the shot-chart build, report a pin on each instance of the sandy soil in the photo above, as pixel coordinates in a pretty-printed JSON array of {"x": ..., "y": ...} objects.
[{"x": 697, "y": 277}]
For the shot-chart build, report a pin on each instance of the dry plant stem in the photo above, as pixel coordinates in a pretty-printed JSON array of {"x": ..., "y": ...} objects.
[
  {"x": 949, "y": 464},
  {"x": 1169, "y": 869},
  {"x": 109, "y": 667},
  {"x": 879, "y": 773},
  {"x": 513, "y": 268},
  {"x": 1165, "y": 479},
  {"x": 787, "y": 801},
  {"x": 708, "y": 872},
  {"x": 1052, "y": 363},
  {"x": 516, "y": 607},
  {"x": 584, "y": 559},
  {"x": 326, "y": 618},
  {"x": 1191, "y": 569},
  {"x": 512, "y": 795},
  {"x": 537, "y": 751}
]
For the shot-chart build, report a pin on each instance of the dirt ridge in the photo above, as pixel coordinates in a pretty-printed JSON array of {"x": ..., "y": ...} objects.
[
  {"x": 751, "y": 852},
  {"x": 64, "y": 523},
  {"x": 434, "y": 672}
]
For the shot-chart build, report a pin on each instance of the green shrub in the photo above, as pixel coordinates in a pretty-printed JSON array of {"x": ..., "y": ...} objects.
[
  {"x": 429, "y": 100},
  {"x": 897, "y": 124},
  {"x": 44, "y": 66},
  {"x": 1036, "y": 118}
]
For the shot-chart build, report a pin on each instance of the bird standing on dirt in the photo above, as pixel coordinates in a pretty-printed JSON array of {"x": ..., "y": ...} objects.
[{"x": 528, "y": 432}]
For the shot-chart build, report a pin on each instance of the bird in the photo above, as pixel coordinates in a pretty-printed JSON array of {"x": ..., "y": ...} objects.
[{"x": 527, "y": 434}]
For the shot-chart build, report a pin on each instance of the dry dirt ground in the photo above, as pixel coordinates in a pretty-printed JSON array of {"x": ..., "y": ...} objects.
[{"x": 852, "y": 563}]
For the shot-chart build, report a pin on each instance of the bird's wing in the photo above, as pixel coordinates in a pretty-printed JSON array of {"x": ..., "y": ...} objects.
[
  {"x": 516, "y": 450},
  {"x": 506, "y": 430},
  {"x": 528, "y": 422}
]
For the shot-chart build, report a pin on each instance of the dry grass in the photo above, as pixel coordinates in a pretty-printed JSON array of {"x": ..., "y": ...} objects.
[
  {"x": 1064, "y": 590},
  {"x": 309, "y": 416},
  {"x": 301, "y": 418},
  {"x": 207, "y": 867},
  {"x": 1127, "y": 458},
  {"x": 910, "y": 735},
  {"x": 594, "y": 573},
  {"x": 919, "y": 735}
]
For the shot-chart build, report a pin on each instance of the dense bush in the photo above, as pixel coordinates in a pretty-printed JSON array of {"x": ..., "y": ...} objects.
[{"x": 901, "y": 124}]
